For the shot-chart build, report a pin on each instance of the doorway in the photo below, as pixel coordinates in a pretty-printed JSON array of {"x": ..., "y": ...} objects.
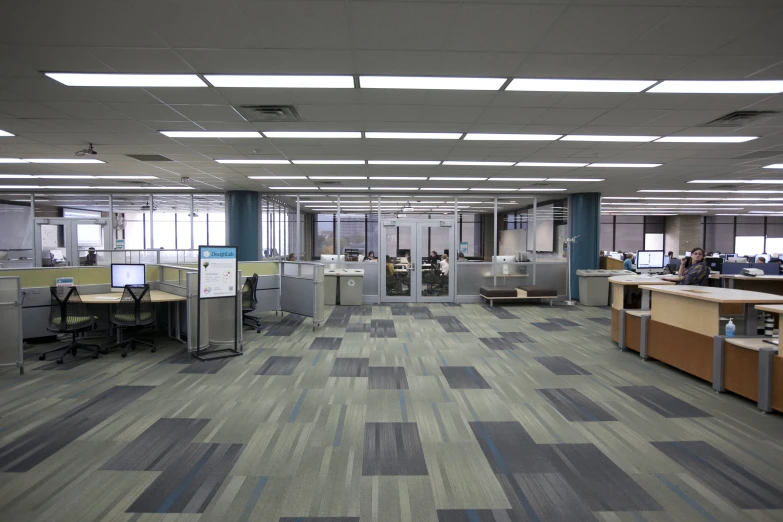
[
  {"x": 418, "y": 261},
  {"x": 70, "y": 242}
]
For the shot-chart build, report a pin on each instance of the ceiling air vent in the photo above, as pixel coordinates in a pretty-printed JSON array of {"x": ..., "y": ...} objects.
[
  {"x": 741, "y": 118},
  {"x": 148, "y": 157},
  {"x": 269, "y": 113}
]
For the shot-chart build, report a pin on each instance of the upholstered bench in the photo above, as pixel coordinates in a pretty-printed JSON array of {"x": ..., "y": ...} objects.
[{"x": 507, "y": 293}]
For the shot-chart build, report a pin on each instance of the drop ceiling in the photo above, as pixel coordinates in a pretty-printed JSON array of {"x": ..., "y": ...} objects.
[{"x": 651, "y": 40}]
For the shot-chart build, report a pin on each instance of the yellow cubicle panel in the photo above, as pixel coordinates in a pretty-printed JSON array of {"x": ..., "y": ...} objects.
[
  {"x": 93, "y": 275},
  {"x": 258, "y": 267}
]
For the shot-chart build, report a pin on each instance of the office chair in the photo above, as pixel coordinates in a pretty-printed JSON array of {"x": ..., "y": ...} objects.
[
  {"x": 134, "y": 312},
  {"x": 706, "y": 280},
  {"x": 68, "y": 314},
  {"x": 249, "y": 302}
]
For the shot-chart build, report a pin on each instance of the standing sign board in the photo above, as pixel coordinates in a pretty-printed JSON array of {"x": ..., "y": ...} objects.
[{"x": 217, "y": 279}]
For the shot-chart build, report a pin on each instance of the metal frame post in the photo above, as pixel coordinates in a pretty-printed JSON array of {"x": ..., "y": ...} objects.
[
  {"x": 152, "y": 223},
  {"x": 495, "y": 243}
]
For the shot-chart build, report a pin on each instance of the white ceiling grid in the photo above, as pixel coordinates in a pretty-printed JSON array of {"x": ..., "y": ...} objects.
[{"x": 566, "y": 39}]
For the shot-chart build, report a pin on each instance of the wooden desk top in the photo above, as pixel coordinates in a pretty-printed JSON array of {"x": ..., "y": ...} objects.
[
  {"x": 775, "y": 309},
  {"x": 635, "y": 280},
  {"x": 751, "y": 343},
  {"x": 158, "y": 296},
  {"x": 638, "y": 313},
  {"x": 717, "y": 295},
  {"x": 751, "y": 278}
]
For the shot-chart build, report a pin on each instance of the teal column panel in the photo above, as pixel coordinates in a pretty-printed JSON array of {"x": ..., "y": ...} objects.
[
  {"x": 242, "y": 222},
  {"x": 585, "y": 218}
]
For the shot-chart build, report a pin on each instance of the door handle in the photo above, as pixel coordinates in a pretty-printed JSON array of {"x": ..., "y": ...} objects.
[{"x": 412, "y": 267}]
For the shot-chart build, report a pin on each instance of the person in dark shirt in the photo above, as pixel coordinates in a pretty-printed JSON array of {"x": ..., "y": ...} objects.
[{"x": 698, "y": 272}]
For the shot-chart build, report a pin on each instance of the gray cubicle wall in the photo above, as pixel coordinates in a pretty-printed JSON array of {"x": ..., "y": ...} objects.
[
  {"x": 302, "y": 289},
  {"x": 11, "y": 323}
]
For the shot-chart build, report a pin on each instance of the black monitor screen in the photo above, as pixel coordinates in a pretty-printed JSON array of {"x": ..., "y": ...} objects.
[{"x": 715, "y": 264}]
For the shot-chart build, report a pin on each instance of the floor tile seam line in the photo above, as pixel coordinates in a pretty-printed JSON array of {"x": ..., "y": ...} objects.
[
  {"x": 686, "y": 498},
  {"x": 702, "y": 424}
]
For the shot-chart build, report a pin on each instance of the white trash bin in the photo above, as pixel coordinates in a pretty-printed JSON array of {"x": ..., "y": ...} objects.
[{"x": 594, "y": 287}]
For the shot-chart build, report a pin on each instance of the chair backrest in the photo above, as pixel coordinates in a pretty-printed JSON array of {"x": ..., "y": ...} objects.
[
  {"x": 706, "y": 280},
  {"x": 67, "y": 311},
  {"x": 249, "y": 299},
  {"x": 135, "y": 307}
]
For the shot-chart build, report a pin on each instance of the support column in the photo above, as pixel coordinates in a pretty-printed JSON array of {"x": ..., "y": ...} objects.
[
  {"x": 585, "y": 220},
  {"x": 242, "y": 223}
]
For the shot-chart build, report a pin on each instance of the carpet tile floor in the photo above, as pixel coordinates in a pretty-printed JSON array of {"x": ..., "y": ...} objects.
[{"x": 432, "y": 413}]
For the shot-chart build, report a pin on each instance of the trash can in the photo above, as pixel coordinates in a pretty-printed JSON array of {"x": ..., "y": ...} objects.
[
  {"x": 351, "y": 284},
  {"x": 594, "y": 286},
  {"x": 330, "y": 287}
]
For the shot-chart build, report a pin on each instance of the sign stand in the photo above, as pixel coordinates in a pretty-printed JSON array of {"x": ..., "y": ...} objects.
[{"x": 217, "y": 279}]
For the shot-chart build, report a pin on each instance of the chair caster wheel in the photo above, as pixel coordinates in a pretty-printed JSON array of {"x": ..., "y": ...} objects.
[
  {"x": 41, "y": 357},
  {"x": 153, "y": 350},
  {"x": 124, "y": 354},
  {"x": 59, "y": 361},
  {"x": 258, "y": 330}
]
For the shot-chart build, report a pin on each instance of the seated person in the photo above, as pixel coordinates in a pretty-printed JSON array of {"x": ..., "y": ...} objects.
[
  {"x": 444, "y": 265},
  {"x": 778, "y": 262},
  {"x": 389, "y": 267},
  {"x": 92, "y": 257},
  {"x": 628, "y": 263},
  {"x": 461, "y": 257},
  {"x": 371, "y": 256},
  {"x": 433, "y": 259},
  {"x": 291, "y": 257},
  {"x": 761, "y": 260},
  {"x": 693, "y": 269}
]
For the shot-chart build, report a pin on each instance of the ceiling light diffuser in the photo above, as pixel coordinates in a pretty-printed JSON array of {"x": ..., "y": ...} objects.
[
  {"x": 740, "y": 181},
  {"x": 458, "y": 179},
  {"x": 517, "y": 179},
  {"x": 399, "y": 178},
  {"x": 5, "y": 133},
  {"x": 431, "y": 82},
  {"x": 394, "y": 188},
  {"x": 553, "y": 85},
  {"x": 127, "y": 80},
  {"x": 535, "y": 164},
  {"x": 343, "y": 188},
  {"x": 618, "y": 139},
  {"x": 719, "y": 87},
  {"x": 775, "y": 166},
  {"x": 255, "y": 162},
  {"x": 12, "y": 160},
  {"x": 479, "y": 163},
  {"x": 212, "y": 134},
  {"x": 625, "y": 165},
  {"x": 706, "y": 139},
  {"x": 61, "y": 160},
  {"x": 313, "y": 135},
  {"x": 494, "y": 189},
  {"x": 396, "y": 162},
  {"x": 337, "y": 177},
  {"x": 474, "y": 136},
  {"x": 281, "y": 81},
  {"x": 277, "y": 177},
  {"x": 576, "y": 179},
  {"x": 328, "y": 162},
  {"x": 414, "y": 135},
  {"x": 450, "y": 189},
  {"x": 541, "y": 189}
]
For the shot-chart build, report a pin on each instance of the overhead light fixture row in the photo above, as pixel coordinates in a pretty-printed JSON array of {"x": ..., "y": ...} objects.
[
  {"x": 281, "y": 81},
  {"x": 212, "y": 134},
  {"x": 51, "y": 160},
  {"x": 557, "y": 85},
  {"x": 719, "y": 87},
  {"x": 127, "y": 80},
  {"x": 313, "y": 135},
  {"x": 413, "y": 135},
  {"x": 5, "y": 133},
  {"x": 431, "y": 82}
]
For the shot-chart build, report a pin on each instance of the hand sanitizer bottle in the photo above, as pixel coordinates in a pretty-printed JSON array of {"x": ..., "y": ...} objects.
[{"x": 730, "y": 328}]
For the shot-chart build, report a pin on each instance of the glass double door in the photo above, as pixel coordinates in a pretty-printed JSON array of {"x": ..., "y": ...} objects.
[
  {"x": 418, "y": 261},
  {"x": 70, "y": 242}
]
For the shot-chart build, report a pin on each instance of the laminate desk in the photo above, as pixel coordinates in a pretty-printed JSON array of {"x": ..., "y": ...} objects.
[
  {"x": 685, "y": 320},
  {"x": 158, "y": 296},
  {"x": 772, "y": 284},
  {"x": 626, "y": 328}
]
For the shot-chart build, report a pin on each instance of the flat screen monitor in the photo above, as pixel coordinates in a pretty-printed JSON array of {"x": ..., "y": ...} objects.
[
  {"x": 122, "y": 275},
  {"x": 649, "y": 260},
  {"x": 666, "y": 260},
  {"x": 504, "y": 259},
  {"x": 332, "y": 258},
  {"x": 715, "y": 264}
]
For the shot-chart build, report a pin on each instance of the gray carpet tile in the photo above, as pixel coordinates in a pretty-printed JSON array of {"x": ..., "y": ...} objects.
[
  {"x": 178, "y": 357},
  {"x": 392, "y": 448},
  {"x": 516, "y": 337},
  {"x": 559, "y": 365},
  {"x": 326, "y": 343},
  {"x": 279, "y": 365},
  {"x": 37, "y": 445},
  {"x": 662, "y": 403},
  {"x": 601, "y": 320},
  {"x": 420, "y": 312},
  {"x": 574, "y": 405},
  {"x": 350, "y": 367},
  {"x": 285, "y": 326},
  {"x": 387, "y": 378},
  {"x": 471, "y": 515},
  {"x": 498, "y": 343},
  {"x": 509, "y": 449},
  {"x": 154, "y": 449},
  {"x": 549, "y": 327},
  {"x": 206, "y": 367},
  {"x": 68, "y": 362},
  {"x": 723, "y": 475},
  {"x": 381, "y": 328},
  {"x": 598, "y": 481},
  {"x": 319, "y": 519},
  {"x": 452, "y": 324},
  {"x": 500, "y": 312},
  {"x": 188, "y": 484},
  {"x": 464, "y": 377},
  {"x": 563, "y": 322},
  {"x": 544, "y": 497},
  {"x": 358, "y": 328}
]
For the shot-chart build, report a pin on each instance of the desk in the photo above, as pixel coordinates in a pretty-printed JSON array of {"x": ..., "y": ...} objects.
[
  {"x": 626, "y": 329},
  {"x": 772, "y": 284},
  {"x": 686, "y": 319},
  {"x": 158, "y": 296}
]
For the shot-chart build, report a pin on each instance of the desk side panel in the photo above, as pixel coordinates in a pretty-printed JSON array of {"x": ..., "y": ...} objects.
[
  {"x": 633, "y": 332},
  {"x": 741, "y": 371},
  {"x": 615, "y": 325},
  {"x": 618, "y": 293},
  {"x": 688, "y": 351},
  {"x": 693, "y": 315}
]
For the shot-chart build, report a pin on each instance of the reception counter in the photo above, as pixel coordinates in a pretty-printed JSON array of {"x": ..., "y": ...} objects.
[
  {"x": 769, "y": 284},
  {"x": 626, "y": 323}
]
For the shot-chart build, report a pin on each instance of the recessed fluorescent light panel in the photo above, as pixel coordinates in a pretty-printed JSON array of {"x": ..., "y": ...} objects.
[
  {"x": 313, "y": 135},
  {"x": 395, "y": 162},
  {"x": 552, "y": 85},
  {"x": 254, "y": 162},
  {"x": 479, "y": 163},
  {"x": 517, "y": 179},
  {"x": 414, "y": 135},
  {"x": 748, "y": 181},
  {"x": 625, "y": 165},
  {"x": 4, "y": 133},
  {"x": 61, "y": 160},
  {"x": 586, "y": 180},
  {"x": 343, "y": 188},
  {"x": 564, "y": 165},
  {"x": 458, "y": 179},
  {"x": 280, "y": 81},
  {"x": 399, "y": 178},
  {"x": 494, "y": 189},
  {"x": 541, "y": 189},
  {"x": 127, "y": 80},
  {"x": 719, "y": 87},
  {"x": 211, "y": 134},
  {"x": 12, "y": 160},
  {"x": 328, "y": 162},
  {"x": 337, "y": 177},
  {"x": 394, "y": 188},
  {"x": 775, "y": 166},
  {"x": 449, "y": 189},
  {"x": 706, "y": 139},
  {"x": 277, "y": 177},
  {"x": 473, "y": 136},
  {"x": 431, "y": 82},
  {"x": 618, "y": 139}
]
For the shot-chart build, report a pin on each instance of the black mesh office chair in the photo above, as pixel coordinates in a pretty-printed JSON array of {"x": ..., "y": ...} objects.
[
  {"x": 135, "y": 311},
  {"x": 68, "y": 314},
  {"x": 249, "y": 303}
]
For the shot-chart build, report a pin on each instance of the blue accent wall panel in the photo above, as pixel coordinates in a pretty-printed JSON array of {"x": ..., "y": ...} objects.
[{"x": 585, "y": 218}]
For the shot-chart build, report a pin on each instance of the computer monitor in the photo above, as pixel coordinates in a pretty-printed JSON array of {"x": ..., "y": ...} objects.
[
  {"x": 649, "y": 260},
  {"x": 122, "y": 275},
  {"x": 715, "y": 264},
  {"x": 666, "y": 260},
  {"x": 351, "y": 254},
  {"x": 504, "y": 259},
  {"x": 332, "y": 258}
]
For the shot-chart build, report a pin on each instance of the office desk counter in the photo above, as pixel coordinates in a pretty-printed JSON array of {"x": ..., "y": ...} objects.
[
  {"x": 686, "y": 319},
  {"x": 158, "y": 296},
  {"x": 772, "y": 284},
  {"x": 626, "y": 328}
]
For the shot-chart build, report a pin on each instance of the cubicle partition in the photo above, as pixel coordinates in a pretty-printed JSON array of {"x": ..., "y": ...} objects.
[
  {"x": 268, "y": 288},
  {"x": 302, "y": 289},
  {"x": 178, "y": 257},
  {"x": 11, "y": 323}
]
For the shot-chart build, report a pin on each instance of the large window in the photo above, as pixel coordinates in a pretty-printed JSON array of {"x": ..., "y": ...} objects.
[
  {"x": 632, "y": 233},
  {"x": 745, "y": 235},
  {"x": 324, "y": 235}
]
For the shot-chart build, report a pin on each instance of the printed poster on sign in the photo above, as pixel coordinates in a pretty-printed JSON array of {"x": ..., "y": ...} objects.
[{"x": 218, "y": 271}]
